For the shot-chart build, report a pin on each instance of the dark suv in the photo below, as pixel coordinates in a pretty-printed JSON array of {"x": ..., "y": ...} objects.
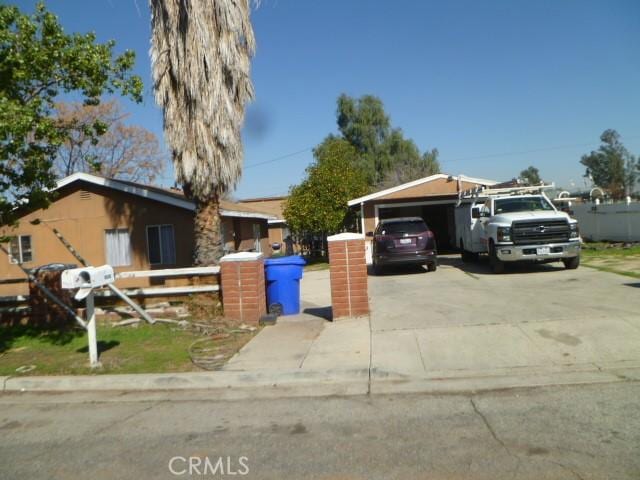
[{"x": 403, "y": 241}]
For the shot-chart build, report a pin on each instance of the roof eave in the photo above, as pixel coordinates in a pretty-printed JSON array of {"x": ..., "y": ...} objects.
[
  {"x": 157, "y": 196},
  {"x": 415, "y": 183}
]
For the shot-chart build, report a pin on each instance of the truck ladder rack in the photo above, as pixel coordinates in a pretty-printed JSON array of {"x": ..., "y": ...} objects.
[{"x": 482, "y": 192}]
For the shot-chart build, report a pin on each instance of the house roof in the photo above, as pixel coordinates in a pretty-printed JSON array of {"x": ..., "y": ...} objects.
[
  {"x": 264, "y": 199},
  {"x": 415, "y": 183},
  {"x": 271, "y": 205},
  {"x": 162, "y": 195}
]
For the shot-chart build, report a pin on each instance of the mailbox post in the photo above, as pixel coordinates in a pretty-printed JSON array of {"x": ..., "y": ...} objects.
[
  {"x": 91, "y": 331},
  {"x": 85, "y": 280}
]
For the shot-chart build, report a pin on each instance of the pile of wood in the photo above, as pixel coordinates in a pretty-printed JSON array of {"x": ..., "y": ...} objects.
[{"x": 43, "y": 311}]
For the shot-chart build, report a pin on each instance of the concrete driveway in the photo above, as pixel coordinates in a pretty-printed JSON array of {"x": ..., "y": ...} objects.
[{"x": 464, "y": 321}]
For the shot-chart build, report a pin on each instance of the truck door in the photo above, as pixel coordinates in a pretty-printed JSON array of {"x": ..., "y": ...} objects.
[
  {"x": 473, "y": 240},
  {"x": 482, "y": 234}
]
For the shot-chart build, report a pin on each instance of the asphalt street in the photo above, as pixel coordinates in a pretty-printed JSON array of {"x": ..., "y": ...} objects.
[{"x": 568, "y": 432}]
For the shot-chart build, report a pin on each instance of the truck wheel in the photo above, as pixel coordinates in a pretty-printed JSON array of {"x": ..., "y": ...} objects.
[
  {"x": 432, "y": 267},
  {"x": 571, "y": 263},
  {"x": 497, "y": 265}
]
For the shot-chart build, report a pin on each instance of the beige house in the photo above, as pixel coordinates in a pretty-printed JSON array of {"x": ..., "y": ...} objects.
[
  {"x": 433, "y": 198},
  {"x": 127, "y": 225},
  {"x": 278, "y": 230}
]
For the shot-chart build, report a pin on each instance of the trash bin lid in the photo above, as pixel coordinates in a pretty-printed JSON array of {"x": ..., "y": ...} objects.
[{"x": 290, "y": 260}]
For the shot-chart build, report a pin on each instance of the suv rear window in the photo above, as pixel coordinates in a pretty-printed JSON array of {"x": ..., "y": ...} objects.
[{"x": 402, "y": 227}]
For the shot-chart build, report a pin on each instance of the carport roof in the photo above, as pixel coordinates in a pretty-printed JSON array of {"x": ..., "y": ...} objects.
[{"x": 421, "y": 181}]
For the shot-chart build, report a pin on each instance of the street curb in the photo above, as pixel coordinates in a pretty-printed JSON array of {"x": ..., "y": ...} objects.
[
  {"x": 382, "y": 384},
  {"x": 221, "y": 384},
  {"x": 227, "y": 385}
]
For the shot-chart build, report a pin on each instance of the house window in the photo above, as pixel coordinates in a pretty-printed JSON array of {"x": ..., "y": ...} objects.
[
  {"x": 161, "y": 244},
  {"x": 20, "y": 249},
  {"x": 118, "y": 247}
]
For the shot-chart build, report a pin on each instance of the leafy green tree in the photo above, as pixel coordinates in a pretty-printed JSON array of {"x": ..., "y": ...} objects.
[
  {"x": 365, "y": 125},
  {"x": 531, "y": 176},
  {"x": 612, "y": 167},
  {"x": 386, "y": 157},
  {"x": 39, "y": 62},
  {"x": 407, "y": 164},
  {"x": 319, "y": 204}
]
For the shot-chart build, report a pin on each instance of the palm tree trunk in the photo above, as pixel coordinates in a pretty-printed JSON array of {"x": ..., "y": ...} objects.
[{"x": 207, "y": 232}]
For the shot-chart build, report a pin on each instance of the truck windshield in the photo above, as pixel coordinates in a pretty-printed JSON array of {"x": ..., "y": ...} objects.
[{"x": 523, "y": 204}]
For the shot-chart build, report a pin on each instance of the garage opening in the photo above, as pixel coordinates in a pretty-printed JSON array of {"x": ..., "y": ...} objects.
[{"x": 439, "y": 217}]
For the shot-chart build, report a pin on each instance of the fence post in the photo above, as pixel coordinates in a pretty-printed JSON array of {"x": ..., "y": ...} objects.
[
  {"x": 243, "y": 286},
  {"x": 348, "y": 275}
]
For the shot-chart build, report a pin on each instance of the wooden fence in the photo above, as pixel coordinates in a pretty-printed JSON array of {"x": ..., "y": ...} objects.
[{"x": 193, "y": 274}]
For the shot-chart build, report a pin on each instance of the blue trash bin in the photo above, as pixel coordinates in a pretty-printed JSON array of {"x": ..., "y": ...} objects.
[{"x": 283, "y": 276}]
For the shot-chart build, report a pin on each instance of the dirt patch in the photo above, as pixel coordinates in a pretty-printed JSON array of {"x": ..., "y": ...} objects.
[{"x": 630, "y": 264}]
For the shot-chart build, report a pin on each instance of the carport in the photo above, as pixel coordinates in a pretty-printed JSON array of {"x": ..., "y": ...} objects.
[{"x": 433, "y": 198}]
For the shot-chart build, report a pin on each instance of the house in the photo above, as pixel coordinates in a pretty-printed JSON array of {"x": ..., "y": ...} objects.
[
  {"x": 127, "y": 225},
  {"x": 432, "y": 198},
  {"x": 278, "y": 230}
]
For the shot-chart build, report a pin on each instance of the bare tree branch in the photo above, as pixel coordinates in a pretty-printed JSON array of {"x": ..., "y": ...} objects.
[{"x": 128, "y": 152}]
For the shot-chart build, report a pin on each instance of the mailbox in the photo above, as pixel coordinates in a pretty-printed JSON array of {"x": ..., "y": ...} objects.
[{"x": 87, "y": 278}]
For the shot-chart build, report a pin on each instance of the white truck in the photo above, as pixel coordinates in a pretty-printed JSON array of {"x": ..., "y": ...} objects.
[{"x": 515, "y": 224}]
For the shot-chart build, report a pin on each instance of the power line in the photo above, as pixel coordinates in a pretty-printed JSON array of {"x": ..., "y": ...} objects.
[
  {"x": 536, "y": 150},
  {"x": 461, "y": 159},
  {"x": 279, "y": 158}
]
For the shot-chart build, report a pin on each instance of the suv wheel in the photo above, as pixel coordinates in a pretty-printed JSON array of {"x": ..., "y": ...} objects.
[
  {"x": 497, "y": 265},
  {"x": 377, "y": 269},
  {"x": 571, "y": 263}
]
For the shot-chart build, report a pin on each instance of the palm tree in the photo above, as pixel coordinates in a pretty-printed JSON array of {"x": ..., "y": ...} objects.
[{"x": 200, "y": 53}]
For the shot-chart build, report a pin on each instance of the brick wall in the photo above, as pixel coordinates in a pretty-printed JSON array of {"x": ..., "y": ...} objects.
[
  {"x": 348, "y": 274},
  {"x": 243, "y": 286}
]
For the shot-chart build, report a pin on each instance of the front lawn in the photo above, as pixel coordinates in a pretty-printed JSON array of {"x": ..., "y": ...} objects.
[
  {"x": 316, "y": 263},
  {"x": 144, "y": 348},
  {"x": 620, "y": 258}
]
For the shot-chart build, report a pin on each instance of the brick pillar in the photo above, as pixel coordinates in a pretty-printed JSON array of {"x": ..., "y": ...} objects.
[
  {"x": 243, "y": 287},
  {"x": 348, "y": 272}
]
